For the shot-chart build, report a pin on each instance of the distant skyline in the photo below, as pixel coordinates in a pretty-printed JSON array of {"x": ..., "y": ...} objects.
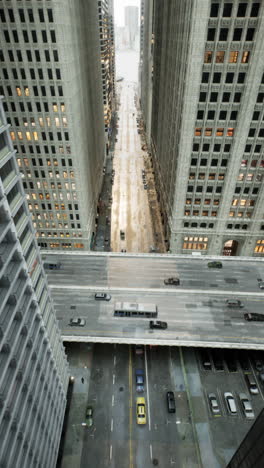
[{"x": 119, "y": 10}]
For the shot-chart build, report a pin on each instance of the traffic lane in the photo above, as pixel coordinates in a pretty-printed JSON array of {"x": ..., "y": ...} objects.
[
  {"x": 165, "y": 439},
  {"x": 120, "y": 441},
  {"x": 96, "y": 438}
]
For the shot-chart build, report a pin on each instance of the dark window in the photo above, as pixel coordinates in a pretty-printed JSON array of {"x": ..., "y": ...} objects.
[
  {"x": 223, "y": 34},
  {"x": 32, "y": 73},
  {"x": 6, "y": 34},
  {"x": 237, "y": 97},
  {"x": 47, "y": 56},
  {"x": 214, "y": 162},
  {"x": 250, "y": 34},
  {"x": 190, "y": 188},
  {"x": 66, "y": 136},
  {"x": 260, "y": 97},
  {"x": 237, "y": 34},
  {"x": 21, "y": 16},
  {"x": 13, "y": 107},
  {"x": 206, "y": 147},
  {"x": 15, "y": 75},
  {"x": 22, "y": 73},
  {"x": 241, "y": 11},
  {"x": 30, "y": 15},
  {"x": 229, "y": 226},
  {"x": 15, "y": 35},
  {"x": 233, "y": 115},
  {"x": 11, "y": 56},
  {"x": 217, "y": 148},
  {"x": 226, "y": 97},
  {"x": 251, "y": 132},
  {"x": 199, "y": 188},
  {"x": 195, "y": 146},
  {"x": 22, "y": 107},
  {"x": 50, "y": 75},
  {"x": 217, "y": 77},
  {"x": 56, "y": 56},
  {"x": 52, "y": 90},
  {"x": 218, "y": 190},
  {"x": 238, "y": 190},
  {"x": 229, "y": 78},
  {"x": 41, "y": 16},
  {"x": 203, "y": 162},
  {"x": 256, "y": 115},
  {"x": 19, "y": 56},
  {"x": 211, "y": 115},
  {"x": 58, "y": 74},
  {"x": 246, "y": 190},
  {"x": 51, "y": 136},
  {"x": 211, "y": 34},
  {"x": 213, "y": 97},
  {"x": 11, "y": 15},
  {"x": 43, "y": 90},
  {"x": 35, "y": 90},
  {"x": 227, "y": 148},
  {"x": 53, "y": 36},
  {"x": 50, "y": 15},
  {"x": 257, "y": 149},
  {"x": 241, "y": 78},
  {"x": 44, "y": 36},
  {"x": 40, "y": 72},
  {"x": 227, "y": 10},
  {"x": 25, "y": 35},
  {"x": 2, "y": 58},
  {"x": 34, "y": 36},
  {"x": 38, "y": 106},
  {"x": 5, "y": 73},
  {"x": 37, "y": 55},
  {"x": 255, "y": 191},
  {"x": 193, "y": 162},
  {"x": 248, "y": 148},
  {"x": 214, "y": 10},
  {"x": 2, "y": 15},
  {"x": 222, "y": 115},
  {"x": 200, "y": 114},
  {"x": 202, "y": 97},
  {"x": 261, "y": 133},
  {"x": 209, "y": 189},
  {"x": 254, "y": 10},
  {"x": 46, "y": 107},
  {"x": 205, "y": 77},
  {"x": 224, "y": 163}
]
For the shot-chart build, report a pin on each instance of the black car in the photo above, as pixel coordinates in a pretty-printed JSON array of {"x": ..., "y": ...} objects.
[
  {"x": 254, "y": 317},
  {"x": 215, "y": 265},
  {"x": 172, "y": 281},
  {"x": 171, "y": 402},
  {"x": 158, "y": 324}
]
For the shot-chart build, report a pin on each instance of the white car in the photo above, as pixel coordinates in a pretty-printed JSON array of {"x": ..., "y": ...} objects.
[
  {"x": 77, "y": 322},
  {"x": 213, "y": 403},
  {"x": 102, "y": 297},
  {"x": 230, "y": 403},
  {"x": 246, "y": 406}
]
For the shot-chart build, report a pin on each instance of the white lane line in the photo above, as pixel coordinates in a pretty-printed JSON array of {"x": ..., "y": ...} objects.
[
  {"x": 112, "y": 424},
  {"x": 146, "y": 367},
  {"x": 111, "y": 449},
  {"x": 114, "y": 360},
  {"x": 113, "y": 400},
  {"x": 150, "y": 450},
  {"x": 113, "y": 379}
]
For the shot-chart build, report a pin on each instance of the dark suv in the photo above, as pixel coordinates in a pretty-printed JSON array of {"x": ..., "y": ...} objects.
[
  {"x": 254, "y": 317},
  {"x": 171, "y": 402},
  {"x": 172, "y": 281},
  {"x": 158, "y": 324},
  {"x": 215, "y": 265}
]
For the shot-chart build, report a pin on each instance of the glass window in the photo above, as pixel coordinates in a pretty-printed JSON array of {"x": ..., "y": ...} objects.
[
  {"x": 223, "y": 33},
  {"x": 211, "y": 34},
  {"x": 214, "y": 10},
  {"x": 245, "y": 56},
  {"x": 241, "y": 11},
  {"x": 220, "y": 56},
  {"x": 208, "y": 57},
  {"x": 237, "y": 34},
  {"x": 233, "y": 56}
]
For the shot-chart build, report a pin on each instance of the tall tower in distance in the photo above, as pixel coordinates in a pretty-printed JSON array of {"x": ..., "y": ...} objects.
[
  {"x": 131, "y": 23},
  {"x": 34, "y": 370},
  {"x": 206, "y": 129},
  {"x": 51, "y": 78}
]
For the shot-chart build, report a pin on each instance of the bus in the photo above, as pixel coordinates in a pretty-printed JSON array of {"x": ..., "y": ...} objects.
[{"x": 135, "y": 309}]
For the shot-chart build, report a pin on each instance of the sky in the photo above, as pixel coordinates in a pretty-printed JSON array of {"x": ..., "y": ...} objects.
[{"x": 119, "y": 6}]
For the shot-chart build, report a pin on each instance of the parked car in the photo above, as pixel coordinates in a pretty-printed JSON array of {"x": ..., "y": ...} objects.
[
  {"x": 215, "y": 265},
  {"x": 141, "y": 410},
  {"x": 246, "y": 406},
  {"x": 158, "y": 324},
  {"x": 230, "y": 403},
  {"x": 89, "y": 416},
  {"x": 171, "y": 402},
  {"x": 172, "y": 281},
  {"x": 234, "y": 303},
  {"x": 102, "y": 296},
  {"x": 214, "y": 406},
  {"x": 77, "y": 322},
  {"x": 140, "y": 380},
  {"x": 253, "y": 317},
  {"x": 251, "y": 383}
]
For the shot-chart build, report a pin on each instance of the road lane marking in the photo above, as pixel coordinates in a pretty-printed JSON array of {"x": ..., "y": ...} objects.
[
  {"x": 112, "y": 424},
  {"x": 114, "y": 360},
  {"x": 113, "y": 400},
  {"x": 150, "y": 450},
  {"x": 111, "y": 449},
  {"x": 146, "y": 367},
  {"x": 113, "y": 379},
  {"x": 130, "y": 408}
]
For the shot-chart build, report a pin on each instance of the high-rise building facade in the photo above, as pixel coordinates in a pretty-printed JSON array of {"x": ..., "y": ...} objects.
[
  {"x": 131, "y": 23},
  {"x": 107, "y": 45},
  {"x": 207, "y": 124},
  {"x": 51, "y": 78},
  {"x": 34, "y": 370}
]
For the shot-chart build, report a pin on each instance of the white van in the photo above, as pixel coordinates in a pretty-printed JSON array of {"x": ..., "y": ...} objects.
[{"x": 230, "y": 402}]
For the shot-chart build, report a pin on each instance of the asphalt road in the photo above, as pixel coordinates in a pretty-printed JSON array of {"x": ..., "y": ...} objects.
[
  {"x": 196, "y": 310},
  {"x": 116, "y": 439}
]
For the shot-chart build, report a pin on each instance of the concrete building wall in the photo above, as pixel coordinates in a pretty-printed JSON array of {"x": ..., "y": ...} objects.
[
  {"x": 206, "y": 129},
  {"x": 34, "y": 370}
]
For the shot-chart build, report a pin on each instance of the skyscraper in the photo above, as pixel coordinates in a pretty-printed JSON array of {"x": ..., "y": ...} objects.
[
  {"x": 207, "y": 124},
  {"x": 131, "y": 23},
  {"x": 34, "y": 370},
  {"x": 51, "y": 78}
]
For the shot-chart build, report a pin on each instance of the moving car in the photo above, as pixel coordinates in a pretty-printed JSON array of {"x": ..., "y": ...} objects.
[
  {"x": 173, "y": 281},
  {"x": 89, "y": 416},
  {"x": 254, "y": 317},
  {"x": 261, "y": 284},
  {"x": 230, "y": 402},
  {"x": 140, "y": 380},
  {"x": 158, "y": 324},
  {"x": 141, "y": 410},
  {"x": 77, "y": 322},
  {"x": 215, "y": 265},
  {"x": 171, "y": 402},
  {"x": 235, "y": 304},
  {"x": 102, "y": 296},
  {"x": 213, "y": 403},
  {"x": 246, "y": 406}
]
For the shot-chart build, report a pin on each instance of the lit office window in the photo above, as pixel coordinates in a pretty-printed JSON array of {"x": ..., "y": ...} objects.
[
  {"x": 195, "y": 243},
  {"x": 259, "y": 248},
  {"x": 18, "y": 91},
  {"x": 233, "y": 56},
  {"x": 220, "y": 56},
  {"x": 20, "y": 135},
  {"x": 28, "y": 136},
  {"x": 208, "y": 57},
  {"x": 35, "y": 136}
]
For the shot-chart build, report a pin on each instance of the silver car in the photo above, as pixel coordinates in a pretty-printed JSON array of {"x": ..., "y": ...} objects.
[
  {"x": 246, "y": 406},
  {"x": 213, "y": 403},
  {"x": 230, "y": 402},
  {"x": 77, "y": 322}
]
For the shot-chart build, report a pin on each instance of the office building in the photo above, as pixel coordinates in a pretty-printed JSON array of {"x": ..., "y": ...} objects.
[
  {"x": 207, "y": 126},
  {"x": 52, "y": 82},
  {"x": 107, "y": 45},
  {"x": 146, "y": 64},
  {"x": 34, "y": 370},
  {"x": 131, "y": 23}
]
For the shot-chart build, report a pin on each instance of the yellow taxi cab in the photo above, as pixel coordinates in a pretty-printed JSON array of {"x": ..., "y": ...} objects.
[{"x": 141, "y": 410}]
